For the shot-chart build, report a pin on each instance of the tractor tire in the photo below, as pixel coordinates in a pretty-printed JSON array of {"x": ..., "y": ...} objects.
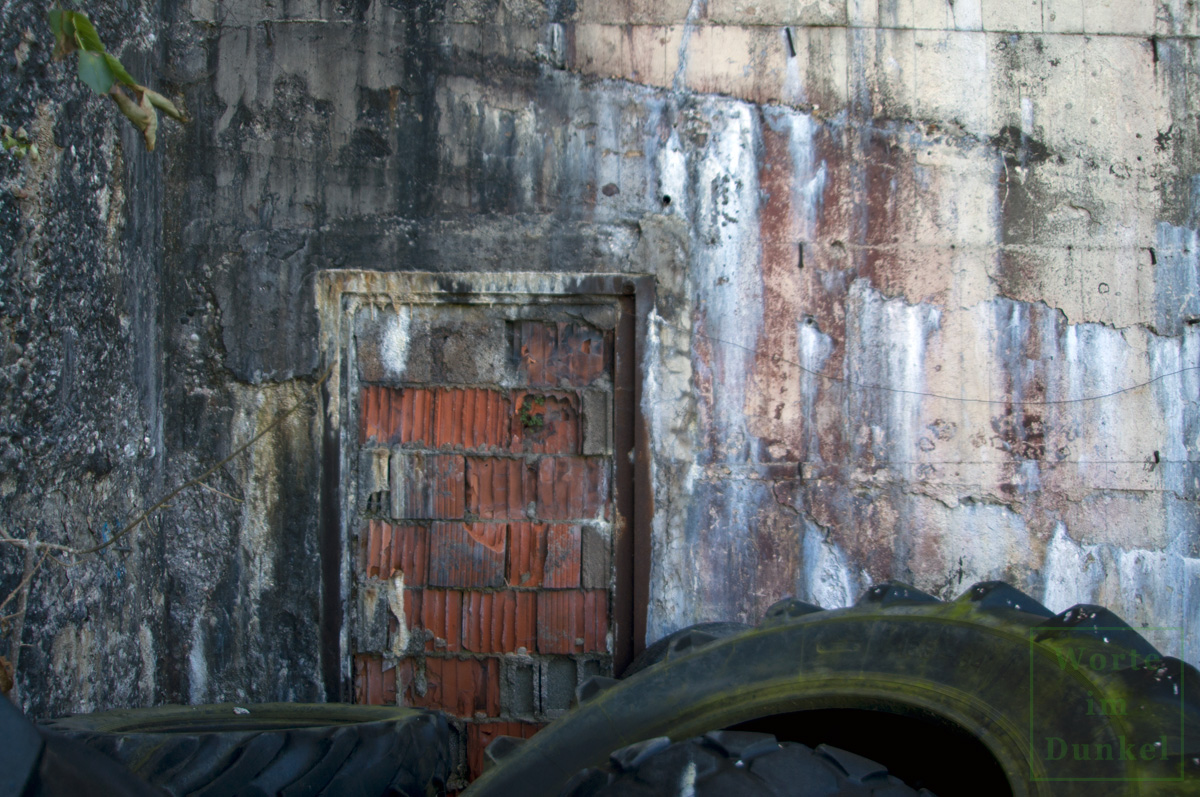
[
  {"x": 37, "y": 763},
  {"x": 736, "y": 764},
  {"x": 273, "y": 748},
  {"x": 987, "y": 694},
  {"x": 699, "y": 634}
]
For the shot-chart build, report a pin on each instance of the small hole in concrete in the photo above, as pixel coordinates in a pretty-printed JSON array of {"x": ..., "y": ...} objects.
[{"x": 666, "y": 200}]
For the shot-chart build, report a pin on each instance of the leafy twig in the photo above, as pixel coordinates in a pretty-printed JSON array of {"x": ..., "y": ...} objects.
[{"x": 104, "y": 73}]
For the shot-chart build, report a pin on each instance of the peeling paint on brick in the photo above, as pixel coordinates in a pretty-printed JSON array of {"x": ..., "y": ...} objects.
[
  {"x": 427, "y": 486},
  {"x": 467, "y": 554},
  {"x": 498, "y": 488}
]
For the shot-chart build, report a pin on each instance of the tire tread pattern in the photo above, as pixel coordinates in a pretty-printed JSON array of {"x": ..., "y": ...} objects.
[
  {"x": 736, "y": 764},
  {"x": 331, "y": 752}
]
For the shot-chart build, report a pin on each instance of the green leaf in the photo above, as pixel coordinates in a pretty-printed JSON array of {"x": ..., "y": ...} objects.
[
  {"x": 119, "y": 71},
  {"x": 94, "y": 71},
  {"x": 85, "y": 33},
  {"x": 163, "y": 104},
  {"x": 141, "y": 113},
  {"x": 64, "y": 32},
  {"x": 18, "y": 144}
]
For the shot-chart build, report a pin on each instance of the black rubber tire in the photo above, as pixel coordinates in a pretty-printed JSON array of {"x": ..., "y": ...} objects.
[
  {"x": 993, "y": 665},
  {"x": 736, "y": 764},
  {"x": 38, "y": 763},
  {"x": 701, "y": 633},
  {"x": 287, "y": 749}
]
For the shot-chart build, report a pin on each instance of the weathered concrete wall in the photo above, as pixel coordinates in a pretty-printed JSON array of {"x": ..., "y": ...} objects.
[
  {"x": 900, "y": 248},
  {"x": 81, "y": 440},
  {"x": 969, "y": 223},
  {"x": 114, "y": 394}
]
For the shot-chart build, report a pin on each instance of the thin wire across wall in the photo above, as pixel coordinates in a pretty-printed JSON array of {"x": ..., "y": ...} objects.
[
  {"x": 1149, "y": 463},
  {"x": 961, "y": 399}
]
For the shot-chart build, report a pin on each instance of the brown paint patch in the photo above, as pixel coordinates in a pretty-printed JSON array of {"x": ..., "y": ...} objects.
[
  {"x": 775, "y": 411},
  {"x": 825, "y": 283},
  {"x": 1020, "y": 433},
  {"x": 886, "y": 197}
]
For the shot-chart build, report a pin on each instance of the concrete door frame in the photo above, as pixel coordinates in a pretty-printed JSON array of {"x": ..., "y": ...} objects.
[{"x": 341, "y": 294}]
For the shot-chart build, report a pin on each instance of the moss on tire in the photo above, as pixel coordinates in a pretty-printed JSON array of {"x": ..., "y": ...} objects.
[
  {"x": 994, "y": 665},
  {"x": 273, "y": 748}
]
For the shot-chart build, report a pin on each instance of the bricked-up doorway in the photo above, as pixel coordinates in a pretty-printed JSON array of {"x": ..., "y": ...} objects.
[{"x": 485, "y": 543}]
